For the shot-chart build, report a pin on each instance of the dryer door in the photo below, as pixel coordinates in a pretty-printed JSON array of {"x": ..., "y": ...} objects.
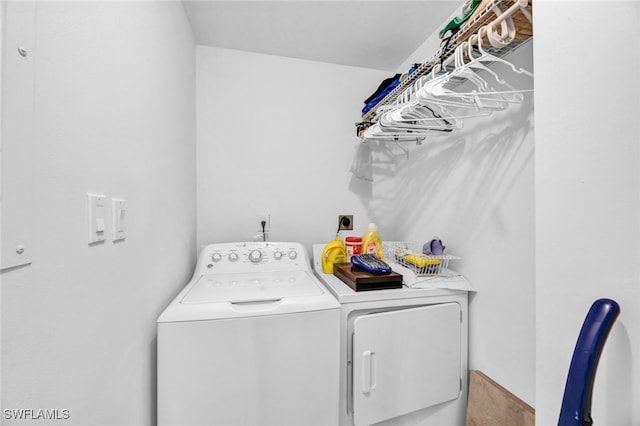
[{"x": 405, "y": 360}]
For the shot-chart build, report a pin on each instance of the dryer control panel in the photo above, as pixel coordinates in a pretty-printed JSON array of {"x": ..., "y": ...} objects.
[{"x": 252, "y": 256}]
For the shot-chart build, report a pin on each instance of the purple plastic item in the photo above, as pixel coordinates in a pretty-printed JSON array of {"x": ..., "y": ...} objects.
[{"x": 433, "y": 247}]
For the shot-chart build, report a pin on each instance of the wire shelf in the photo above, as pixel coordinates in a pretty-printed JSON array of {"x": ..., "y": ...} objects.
[{"x": 484, "y": 15}]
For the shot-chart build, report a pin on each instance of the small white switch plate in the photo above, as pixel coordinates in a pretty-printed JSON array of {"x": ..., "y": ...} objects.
[
  {"x": 96, "y": 218},
  {"x": 118, "y": 216}
]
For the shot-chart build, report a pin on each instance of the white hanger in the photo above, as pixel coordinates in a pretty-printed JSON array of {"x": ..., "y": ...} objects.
[
  {"x": 431, "y": 115},
  {"x": 374, "y": 132},
  {"x": 435, "y": 92},
  {"x": 488, "y": 96},
  {"x": 504, "y": 18},
  {"x": 409, "y": 115},
  {"x": 508, "y": 33},
  {"x": 488, "y": 57},
  {"x": 420, "y": 118}
]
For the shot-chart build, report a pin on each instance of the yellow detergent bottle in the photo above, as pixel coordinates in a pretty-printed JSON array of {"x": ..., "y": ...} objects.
[
  {"x": 372, "y": 242},
  {"x": 334, "y": 252}
]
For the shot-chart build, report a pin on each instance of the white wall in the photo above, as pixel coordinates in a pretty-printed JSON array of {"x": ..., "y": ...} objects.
[
  {"x": 475, "y": 189},
  {"x": 277, "y": 135},
  {"x": 114, "y": 114},
  {"x": 587, "y": 197}
]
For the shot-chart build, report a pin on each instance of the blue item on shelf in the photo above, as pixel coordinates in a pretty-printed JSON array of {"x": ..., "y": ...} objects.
[
  {"x": 394, "y": 83},
  {"x": 381, "y": 92}
]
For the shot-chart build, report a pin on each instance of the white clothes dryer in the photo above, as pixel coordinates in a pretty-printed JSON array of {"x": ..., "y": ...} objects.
[
  {"x": 252, "y": 339},
  {"x": 403, "y": 354}
]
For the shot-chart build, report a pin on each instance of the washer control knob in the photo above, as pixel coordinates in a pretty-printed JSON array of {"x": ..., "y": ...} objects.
[
  {"x": 216, "y": 257},
  {"x": 233, "y": 257},
  {"x": 255, "y": 256},
  {"x": 293, "y": 255},
  {"x": 277, "y": 255}
]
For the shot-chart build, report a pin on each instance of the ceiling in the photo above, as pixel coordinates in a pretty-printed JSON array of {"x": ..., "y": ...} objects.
[{"x": 371, "y": 34}]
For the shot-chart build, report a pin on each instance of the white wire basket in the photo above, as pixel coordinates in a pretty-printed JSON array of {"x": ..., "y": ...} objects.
[{"x": 411, "y": 257}]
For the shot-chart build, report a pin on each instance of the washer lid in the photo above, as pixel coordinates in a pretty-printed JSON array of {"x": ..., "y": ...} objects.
[{"x": 251, "y": 286}]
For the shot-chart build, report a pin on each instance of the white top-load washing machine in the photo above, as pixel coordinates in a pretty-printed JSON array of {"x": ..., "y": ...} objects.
[
  {"x": 403, "y": 354},
  {"x": 252, "y": 339}
]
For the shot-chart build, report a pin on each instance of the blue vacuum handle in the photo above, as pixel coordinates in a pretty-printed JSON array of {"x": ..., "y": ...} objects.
[{"x": 576, "y": 403}]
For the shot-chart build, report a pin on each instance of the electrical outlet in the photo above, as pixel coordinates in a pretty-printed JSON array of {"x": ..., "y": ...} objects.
[
  {"x": 263, "y": 217},
  {"x": 346, "y": 222}
]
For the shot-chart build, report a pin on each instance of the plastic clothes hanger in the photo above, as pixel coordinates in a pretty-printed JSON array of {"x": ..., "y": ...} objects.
[
  {"x": 502, "y": 39},
  {"x": 390, "y": 129},
  {"x": 486, "y": 95},
  {"x": 431, "y": 116},
  {"x": 479, "y": 63},
  {"x": 375, "y": 133},
  {"x": 408, "y": 110},
  {"x": 508, "y": 33},
  {"x": 421, "y": 119},
  {"x": 439, "y": 90},
  {"x": 466, "y": 71},
  {"x": 488, "y": 57},
  {"x": 408, "y": 114},
  {"x": 495, "y": 88},
  {"x": 504, "y": 18},
  {"x": 499, "y": 89}
]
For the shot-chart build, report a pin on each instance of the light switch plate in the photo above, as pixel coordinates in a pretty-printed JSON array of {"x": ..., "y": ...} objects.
[
  {"x": 96, "y": 218},
  {"x": 118, "y": 212}
]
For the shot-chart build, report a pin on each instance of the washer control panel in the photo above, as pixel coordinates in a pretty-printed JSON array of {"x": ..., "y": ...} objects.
[{"x": 252, "y": 256}]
